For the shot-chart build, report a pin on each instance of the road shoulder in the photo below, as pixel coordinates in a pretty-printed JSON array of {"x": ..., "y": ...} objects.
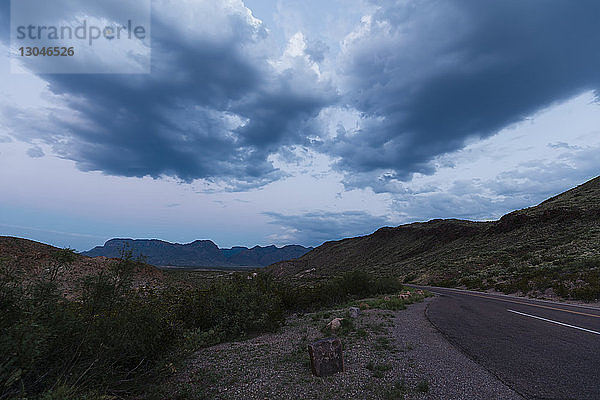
[{"x": 451, "y": 373}]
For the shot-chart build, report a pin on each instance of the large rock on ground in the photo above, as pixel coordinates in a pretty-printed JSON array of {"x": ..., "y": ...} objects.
[{"x": 326, "y": 357}]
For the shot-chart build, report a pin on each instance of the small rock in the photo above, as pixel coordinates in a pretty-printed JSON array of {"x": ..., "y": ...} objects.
[
  {"x": 335, "y": 324},
  {"x": 326, "y": 357},
  {"x": 354, "y": 312}
]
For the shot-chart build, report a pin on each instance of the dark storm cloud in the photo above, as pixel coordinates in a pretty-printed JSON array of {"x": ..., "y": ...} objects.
[
  {"x": 314, "y": 228},
  {"x": 210, "y": 108},
  {"x": 427, "y": 75}
]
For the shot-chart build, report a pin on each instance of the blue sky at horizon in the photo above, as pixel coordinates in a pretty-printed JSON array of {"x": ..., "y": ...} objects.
[{"x": 296, "y": 122}]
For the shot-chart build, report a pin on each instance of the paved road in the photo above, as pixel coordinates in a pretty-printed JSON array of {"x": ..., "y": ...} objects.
[{"x": 543, "y": 350}]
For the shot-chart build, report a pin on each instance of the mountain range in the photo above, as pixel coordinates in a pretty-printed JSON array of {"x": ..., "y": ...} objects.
[{"x": 200, "y": 253}]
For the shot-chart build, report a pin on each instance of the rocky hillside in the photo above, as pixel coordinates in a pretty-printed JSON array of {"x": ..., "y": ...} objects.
[
  {"x": 33, "y": 261},
  {"x": 200, "y": 253},
  {"x": 550, "y": 249}
]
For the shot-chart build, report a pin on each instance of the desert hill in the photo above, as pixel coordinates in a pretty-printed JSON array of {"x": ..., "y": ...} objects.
[
  {"x": 551, "y": 249},
  {"x": 32, "y": 261},
  {"x": 200, "y": 253}
]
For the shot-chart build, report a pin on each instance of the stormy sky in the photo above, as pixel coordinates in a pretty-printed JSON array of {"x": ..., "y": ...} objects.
[{"x": 288, "y": 121}]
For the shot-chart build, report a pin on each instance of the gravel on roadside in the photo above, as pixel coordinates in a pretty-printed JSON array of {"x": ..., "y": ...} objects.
[{"x": 387, "y": 355}]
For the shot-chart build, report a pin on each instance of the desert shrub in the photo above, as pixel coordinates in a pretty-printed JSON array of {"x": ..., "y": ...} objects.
[
  {"x": 472, "y": 282},
  {"x": 450, "y": 282},
  {"x": 391, "y": 302},
  {"x": 568, "y": 279},
  {"x": 561, "y": 289},
  {"x": 231, "y": 308},
  {"x": 378, "y": 370},
  {"x": 105, "y": 341},
  {"x": 385, "y": 285},
  {"x": 586, "y": 263},
  {"x": 513, "y": 285},
  {"x": 394, "y": 303},
  {"x": 586, "y": 293},
  {"x": 10, "y": 294},
  {"x": 573, "y": 264},
  {"x": 350, "y": 286},
  {"x": 589, "y": 289}
]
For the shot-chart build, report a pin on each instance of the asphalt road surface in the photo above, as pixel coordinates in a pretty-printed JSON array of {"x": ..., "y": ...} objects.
[{"x": 543, "y": 350}]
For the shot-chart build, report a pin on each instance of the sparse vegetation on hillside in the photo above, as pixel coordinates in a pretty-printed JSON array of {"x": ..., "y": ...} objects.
[
  {"x": 548, "y": 250},
  {"x": 34, "y": 260}
]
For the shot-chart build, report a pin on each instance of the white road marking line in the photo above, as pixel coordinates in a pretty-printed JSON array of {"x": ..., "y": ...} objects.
[
  {"x": 554, "y": 322},
  {"x": 475, "y": 294},
  {"x": 494, "y": 296}
]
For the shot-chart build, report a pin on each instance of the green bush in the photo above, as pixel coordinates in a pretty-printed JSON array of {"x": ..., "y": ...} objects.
[
  {"x": 472, "y": 282},
  {"x": 350, "y": 286},
  {"x": 105, "y": 341},
  {"x": 450, "y": 282},
  {"x": 231, "y": 308},
  {"x": 586, "y": 293},
  {"x": 378, "y": 370}
]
